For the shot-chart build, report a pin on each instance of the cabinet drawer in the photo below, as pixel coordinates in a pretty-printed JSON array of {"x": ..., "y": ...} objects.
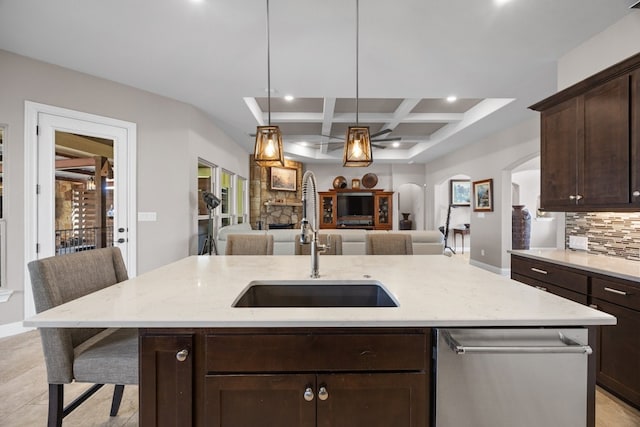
[
  {"x": 550, "y": 273},
  {"x": 556, "y": 290},
  {"x": 627, "y": 295},
  {"x": 316, "y": 352}
]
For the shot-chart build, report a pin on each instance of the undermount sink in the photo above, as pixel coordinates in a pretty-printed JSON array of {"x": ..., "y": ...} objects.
[{"x": 315, "y": 293}]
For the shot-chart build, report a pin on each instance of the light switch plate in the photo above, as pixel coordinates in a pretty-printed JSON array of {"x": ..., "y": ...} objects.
[
  {"x": 578, "y": 242},
  {"x": 147, "y": 216}
]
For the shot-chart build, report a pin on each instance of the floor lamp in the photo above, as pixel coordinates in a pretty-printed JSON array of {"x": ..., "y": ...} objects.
[
  {"x": 212, "y": 202},
  {"x": 446, "y": 230}
]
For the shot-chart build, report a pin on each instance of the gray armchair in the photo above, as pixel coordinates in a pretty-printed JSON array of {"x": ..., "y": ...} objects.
[
  {"x": 99, "y": 356},
  {"x": 389, "y": 244},
  {"x": 249, "y": 244}
]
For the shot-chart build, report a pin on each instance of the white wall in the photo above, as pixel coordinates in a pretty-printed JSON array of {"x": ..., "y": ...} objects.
[
  {"x": 543, "y": 230},
  {"x": 171, "y": 135},
  {"x": 613, "y": 45},
  {"x": 493, "y": 157}
]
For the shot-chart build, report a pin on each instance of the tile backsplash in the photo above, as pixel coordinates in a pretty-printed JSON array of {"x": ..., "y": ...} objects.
[{"x": 610, "y": 233}]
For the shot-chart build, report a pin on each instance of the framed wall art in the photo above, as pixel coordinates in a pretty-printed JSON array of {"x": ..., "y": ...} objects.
[
  {"x": 483, "y": 195},
  {"x": 283, "y": 179},
  {"x": 460, "y": 192}
]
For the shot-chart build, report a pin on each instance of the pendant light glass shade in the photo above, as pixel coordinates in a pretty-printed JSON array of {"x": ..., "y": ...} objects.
[
  {"x": 268, "y": 150},
  {"x": 357, "y": 148},
  {"x": 268, "y": 147},
  {"x": 357, "y": 145}
]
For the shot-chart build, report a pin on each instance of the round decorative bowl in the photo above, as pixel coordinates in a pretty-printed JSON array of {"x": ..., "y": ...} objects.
[
  {"x": 369, "y": 180},
  {"x": 339, "y": 182}
]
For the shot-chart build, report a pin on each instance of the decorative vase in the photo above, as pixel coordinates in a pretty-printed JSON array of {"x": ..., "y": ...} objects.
[
  {"x": 520, "y": 227},
  {"x": 405, "y": 222}
]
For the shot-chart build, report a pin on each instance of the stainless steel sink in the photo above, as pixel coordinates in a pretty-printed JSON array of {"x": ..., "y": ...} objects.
[{"x": 315, "y": 293}]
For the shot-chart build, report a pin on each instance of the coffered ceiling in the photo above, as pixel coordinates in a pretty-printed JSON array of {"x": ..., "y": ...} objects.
[{"x": 496, "y": 57}]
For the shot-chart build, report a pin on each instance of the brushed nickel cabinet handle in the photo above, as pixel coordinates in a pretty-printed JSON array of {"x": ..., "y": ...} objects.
[
  {"x": 323, "y": 394},
  {"x": 308, "y": 394},
  {"x": 182, "y": 355},
  {"x": 593, "y": 306},
  {"x": 578, "y": 196},
  {"x": 541, "y": 288},
  {"x": 636, "y": 193},
  {"x": 615, "y": 291},
  {"x": 537, "y": 270},
  {"x": 572, "y": 197}
]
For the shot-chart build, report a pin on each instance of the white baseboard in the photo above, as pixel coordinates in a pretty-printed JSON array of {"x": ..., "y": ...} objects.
[
  {"x": 491, "y": 268},
  {"x": 11, "y": 329}
]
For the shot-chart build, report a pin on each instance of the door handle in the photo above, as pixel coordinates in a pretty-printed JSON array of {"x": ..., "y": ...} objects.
[{"x": 121, "y": 240}]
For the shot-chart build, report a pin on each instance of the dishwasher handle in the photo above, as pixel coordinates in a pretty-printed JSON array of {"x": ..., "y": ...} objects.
[{"x": 570, "y": 346}]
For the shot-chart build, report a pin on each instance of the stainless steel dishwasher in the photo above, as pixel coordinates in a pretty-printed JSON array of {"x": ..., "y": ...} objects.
[{"x": 511, "y": 377}]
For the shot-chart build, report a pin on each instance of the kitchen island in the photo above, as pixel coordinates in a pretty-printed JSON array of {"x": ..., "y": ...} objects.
[{"x": 202, "y": 359}]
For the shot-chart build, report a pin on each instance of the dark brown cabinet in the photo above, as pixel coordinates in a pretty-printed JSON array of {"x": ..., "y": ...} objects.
[
  {"x": 166, "y": 379},
  {"x": 328, "y": 210},
  {"x": 287, "y": 377},
  {"x": 374, "y": 213},
  {"x": 618, "y": 355},
  {"x": 589, "y": 143},
  {"x": 330, "y": 400},
  {"x": 562, "y": 281},
  {"x": 617, "y": 347}
]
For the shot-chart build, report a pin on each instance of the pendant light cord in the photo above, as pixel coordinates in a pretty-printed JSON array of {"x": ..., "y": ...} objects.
[
  {"x": 357, "y": 53},
  {"x": 268, "y": 68}
]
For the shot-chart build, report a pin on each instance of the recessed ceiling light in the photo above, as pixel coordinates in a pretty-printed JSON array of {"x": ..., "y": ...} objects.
[
  {"x": 452, "y": 98},
  {"x": 396, "y": 144},
  {"x": 289, "y": 98},
  {"x": 501, "y": 2}
]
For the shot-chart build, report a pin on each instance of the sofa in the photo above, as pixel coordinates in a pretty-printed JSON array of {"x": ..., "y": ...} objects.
[{"x": 425, "y": 242}]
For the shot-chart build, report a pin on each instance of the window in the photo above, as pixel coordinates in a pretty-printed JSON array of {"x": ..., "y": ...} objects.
[
  {"x": 241, "y": 203},
  {"x": 206, "y": 183},
  {"x": 226, "y": 195}
]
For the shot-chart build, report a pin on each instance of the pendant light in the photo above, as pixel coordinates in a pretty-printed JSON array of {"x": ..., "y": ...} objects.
[
  {"x": 357, "y": 146},
  {"x": 268, "y": 148}
]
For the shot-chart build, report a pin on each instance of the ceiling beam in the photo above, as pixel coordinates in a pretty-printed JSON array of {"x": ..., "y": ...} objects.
[
  {"x": 328, "y": 108},
  {"x": 78, "y": 145},
  {"x": 403, "y": 110},
  {"x": 255, "y": 109}
]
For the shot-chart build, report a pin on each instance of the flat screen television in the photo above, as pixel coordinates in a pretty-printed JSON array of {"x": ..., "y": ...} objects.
[{"x": 355, "y": 208}]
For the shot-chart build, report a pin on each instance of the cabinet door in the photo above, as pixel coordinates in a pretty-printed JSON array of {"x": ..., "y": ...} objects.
[
  {"x": 618, "y": 352},
  {"x": 561, "y": 129},
  {"x": 604, "y": 178},
  {"x": 635, "y": 137},
  {"x": 373, "y": 400},
  {"x": 260, "y": 400},
  {"x": 383, "y": 206},
  {"x": 166, "y": 380},
  {"x": 328, "y": 210}
]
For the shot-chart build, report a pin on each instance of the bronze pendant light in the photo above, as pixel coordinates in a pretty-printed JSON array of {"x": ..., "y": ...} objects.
[
  {"x": 268, "y": 148},
  {"x": 357, "y": 146}
]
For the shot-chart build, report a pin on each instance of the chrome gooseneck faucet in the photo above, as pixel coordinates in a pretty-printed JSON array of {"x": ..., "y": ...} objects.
[{"x": 309, "y": 231}]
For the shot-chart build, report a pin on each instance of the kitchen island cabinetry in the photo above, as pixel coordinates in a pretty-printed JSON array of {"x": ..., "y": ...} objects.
[
  {"x": 374, "y": 362},
  {"x": 166, "y": 369},
  {"x": 589, "y": 138},
  {"x": 301, "y": 377}
]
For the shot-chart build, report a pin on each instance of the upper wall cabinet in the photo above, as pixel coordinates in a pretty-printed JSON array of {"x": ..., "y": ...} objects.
[{"x": 590, "y": 156}]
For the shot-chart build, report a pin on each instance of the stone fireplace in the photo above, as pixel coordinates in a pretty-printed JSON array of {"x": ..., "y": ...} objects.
[{"x": 276, "y": 207}]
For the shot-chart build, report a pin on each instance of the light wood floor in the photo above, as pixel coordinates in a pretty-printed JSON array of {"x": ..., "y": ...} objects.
[{"x": 23, "y": 394}]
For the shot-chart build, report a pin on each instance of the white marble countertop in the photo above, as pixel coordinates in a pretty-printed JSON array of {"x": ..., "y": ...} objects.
[
  {"x": 610, "y": 266},
  {"x": 432, "y": 290}
]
